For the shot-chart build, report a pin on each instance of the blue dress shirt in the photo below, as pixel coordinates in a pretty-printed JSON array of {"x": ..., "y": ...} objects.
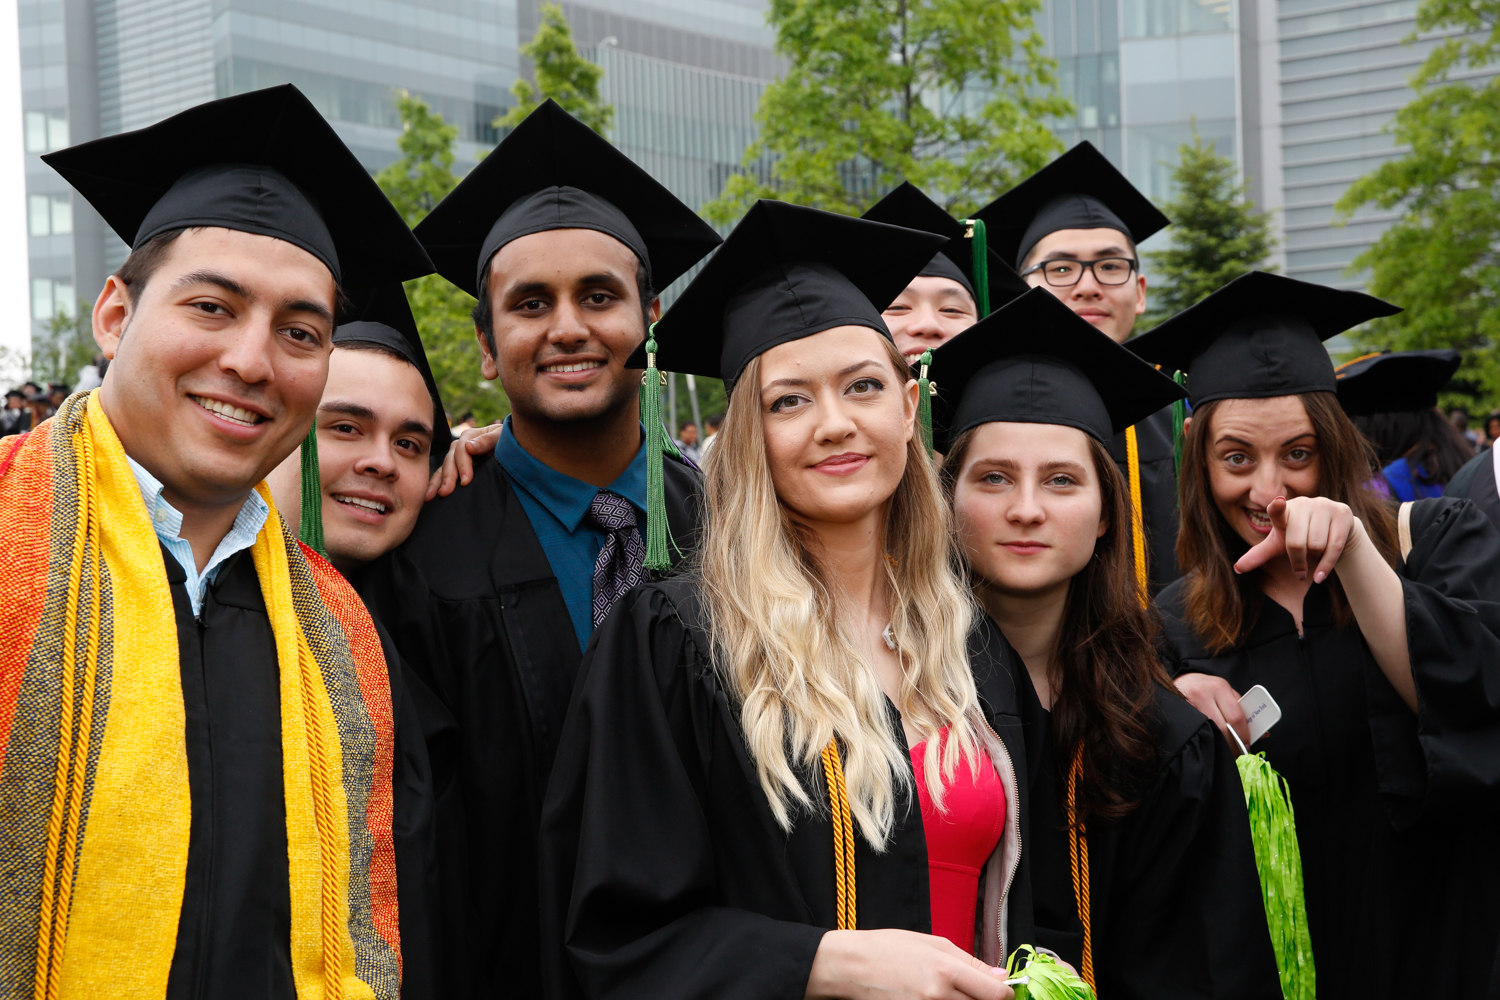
[
  {"x": 557, "y": 506},
  {"x": 166, "y": 520}
]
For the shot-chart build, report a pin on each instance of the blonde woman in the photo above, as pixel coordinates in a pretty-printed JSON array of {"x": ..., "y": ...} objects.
[{"x": 823, "y": 640}]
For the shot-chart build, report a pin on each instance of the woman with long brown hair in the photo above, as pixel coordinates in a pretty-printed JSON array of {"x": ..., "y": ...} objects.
[
  {"x": 1376, "y": 633},
  {"x": 785, "y": 771},
  {"x": 1143, "y": 874}
]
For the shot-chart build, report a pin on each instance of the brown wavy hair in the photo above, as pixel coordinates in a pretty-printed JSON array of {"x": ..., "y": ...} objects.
[
  {"x": 1220, "y": 605},
  {"x": 1108, "y": 655}
]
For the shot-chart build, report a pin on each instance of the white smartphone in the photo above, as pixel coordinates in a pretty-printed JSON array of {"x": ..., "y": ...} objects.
[{"x": 1261, "y": 711}]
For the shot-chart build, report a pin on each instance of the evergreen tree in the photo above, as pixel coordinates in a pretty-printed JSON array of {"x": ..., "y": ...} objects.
[
  {"x": 561, "y": 74},
  {"x": 1216, "y": 234},
  {"x": 952, "y": 95},
  {"x": 415, "y": 184},
  {"x": 1439, "y": 261}
]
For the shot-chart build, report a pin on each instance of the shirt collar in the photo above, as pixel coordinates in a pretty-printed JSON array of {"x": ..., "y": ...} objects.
[{"x": 566, "y": 498}]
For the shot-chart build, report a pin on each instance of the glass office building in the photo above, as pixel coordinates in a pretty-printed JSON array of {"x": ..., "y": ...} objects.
[{"x": 1296, "y": 91}]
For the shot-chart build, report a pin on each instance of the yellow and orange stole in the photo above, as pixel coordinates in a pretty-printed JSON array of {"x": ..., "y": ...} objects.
[{"x": 94, "y": 805}]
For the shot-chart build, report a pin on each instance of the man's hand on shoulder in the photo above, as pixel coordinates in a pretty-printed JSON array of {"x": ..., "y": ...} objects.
[{"x": 458, "y": 465}]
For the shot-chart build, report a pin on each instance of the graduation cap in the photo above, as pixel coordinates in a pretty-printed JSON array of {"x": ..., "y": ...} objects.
[
  {"x": 908, "y": 206},
  {"x": 1395, "y": 382},
  {"x": 554, "y": 172},
  {"x": 264, "y": 162},
  {"x": 1035, "y": 361},
  {"x": 1078, "y": 190},
  {"x": 786, "y": 272},
  {"x": 1260, "y": 335}
]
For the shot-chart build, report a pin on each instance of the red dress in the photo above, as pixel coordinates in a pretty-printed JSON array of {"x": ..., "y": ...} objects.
[{"x": 959, "y": 842}]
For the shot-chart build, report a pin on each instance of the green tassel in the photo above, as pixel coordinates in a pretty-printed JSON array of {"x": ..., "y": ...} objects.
[
  {"x": 311, "y": 530},
  {"x": 975, "y": 232},
  {"x": 1179, "y": 417},
  {"x": 925, "y": 391},
  {"x": 658, "y": 441},
  {"x": 1042, "y": 977},
  {"x": 1273, "y": 831}
]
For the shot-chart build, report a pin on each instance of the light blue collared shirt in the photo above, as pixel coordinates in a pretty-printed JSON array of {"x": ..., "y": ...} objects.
[
  {"x": 558, "y": 506},
  {"x": 167, "y": 522}
]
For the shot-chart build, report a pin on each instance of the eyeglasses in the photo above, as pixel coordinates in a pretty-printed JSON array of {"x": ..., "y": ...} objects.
[{"x": 1064, "y": 273}]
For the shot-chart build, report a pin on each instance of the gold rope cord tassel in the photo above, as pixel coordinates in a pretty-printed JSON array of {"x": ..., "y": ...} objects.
[
  {"x": 73, "y": 746},
  {"x": 843, "y": 836},
  {"x": 1137, "y": 514},
  {"x": 1078, "y": 857}
]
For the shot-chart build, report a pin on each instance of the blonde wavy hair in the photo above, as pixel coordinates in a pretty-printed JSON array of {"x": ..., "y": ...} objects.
[{"x": 789, "y": 655}]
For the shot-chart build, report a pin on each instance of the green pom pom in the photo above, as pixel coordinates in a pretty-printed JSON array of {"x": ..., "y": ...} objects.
[
  {"x": 1035, "y": 975},
  {"x": 1273, "y": 830}
]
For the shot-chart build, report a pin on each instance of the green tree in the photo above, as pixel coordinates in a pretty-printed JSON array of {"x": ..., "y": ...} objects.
[
  {"x": 952, "y": 95},
  {"x": 1216, "y": 234},
  {"x": 1441, "y": 260},
  {"x": 415, "y": 183},
  {"x": 561, "y": 74},
  {"x": 67, "y": 346}
]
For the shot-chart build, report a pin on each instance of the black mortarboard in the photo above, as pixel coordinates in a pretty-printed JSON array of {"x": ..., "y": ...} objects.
[
  {"x": 908, "y": 206},
  {"x": 1395, "y": 382},
  {"x": 554, "y": 172},
  {"x": 1260, "y": 335},
  {"x": 264, "y": 162},
  {"x": 786, "y": 272},
  {"x": 1035, "y": 361},
  {"x": 383, "y": 316},
  {"x": 1078, "y": 190}
]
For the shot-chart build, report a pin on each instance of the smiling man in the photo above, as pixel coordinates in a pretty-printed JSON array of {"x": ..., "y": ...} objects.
[
  {"x": 493, "y": 598},
  {"x": 381, "y": 427},
  {"x": 1073, "y": 228},
  {"x": 208, "y": 785},
  {"x": 943, "y": 300}
]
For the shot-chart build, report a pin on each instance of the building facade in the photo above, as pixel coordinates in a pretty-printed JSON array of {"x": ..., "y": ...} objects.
[{"x": 1296, "y": 91}]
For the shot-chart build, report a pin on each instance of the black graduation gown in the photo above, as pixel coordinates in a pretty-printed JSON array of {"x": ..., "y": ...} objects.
[
  {"x": 1396, "y": 811},
  {"x": 1174, "y": 898},
  {"x": 1476, "y": 482},
  {"x": 1158, "y": 492},
  {"x": 475, "y": 610},
  {"x": 665, "y": 875},
  {"x": 234, "y": 933}
]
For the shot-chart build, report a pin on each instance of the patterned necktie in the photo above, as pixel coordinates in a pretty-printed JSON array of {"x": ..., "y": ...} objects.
[{"x": 622, "y": 560}]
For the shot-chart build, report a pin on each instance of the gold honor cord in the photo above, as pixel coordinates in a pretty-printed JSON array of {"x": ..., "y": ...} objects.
[
  {"x": 1137, "y": 516},
  {"x": 843, "y": 836},
  {"x": 1078, "y": 858}
]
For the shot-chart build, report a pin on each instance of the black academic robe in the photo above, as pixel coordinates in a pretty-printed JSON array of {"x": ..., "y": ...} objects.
[
  {"x": 1174, "y": 897},
  {"x": 665, "y": 875},
  {"x": 234, "y": 933},
  {"x": 1158, "y": 466},
  {"x": 475, "y": 610},
  {"x": 1476, "y": 482},
  {"x": 1396, "y": 811}
]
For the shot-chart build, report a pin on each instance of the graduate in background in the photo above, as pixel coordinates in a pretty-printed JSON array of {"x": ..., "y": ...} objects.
[
  {"x": 1117, "y": 759},
  {"x": 494, "y": 596},
  {"x": 201, "y": 704},
  {"x": 1074, "y": 228},
  {"x": 822, "y": 640},
  {"x": 1392, "y": 399},
  {"x": 1377, "y": 634},
  {"x": 942, "y": 301}
]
